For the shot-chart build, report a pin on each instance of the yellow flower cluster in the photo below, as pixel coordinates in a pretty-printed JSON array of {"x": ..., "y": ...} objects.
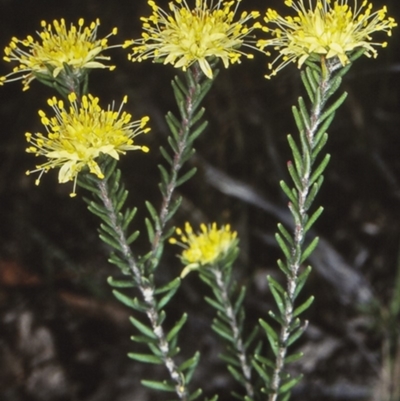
[
  {"x": 208, "y": 247},
  {"x": 330, "y": 29},
  {"x": 77, "y": 136},
  {"x": 78, "y": 47},
  {"x": 186, "y": 35}
]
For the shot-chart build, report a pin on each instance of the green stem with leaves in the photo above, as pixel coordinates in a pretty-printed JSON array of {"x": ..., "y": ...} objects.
[
  {"x": 229, "y": 322},
  {"x": 181, "y": 142},
  {"x": 108, "y": 204},
  {"x": 236, "y": 327},
  {"x": 321, "y": 82}
]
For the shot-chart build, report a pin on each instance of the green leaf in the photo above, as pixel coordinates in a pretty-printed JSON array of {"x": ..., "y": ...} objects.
[
  {"x": 331, "y": 109},
  {"x": 120, "y": 283},
  {"x": 236, "y": 375},
  {"x": 155, "y": 349},
  {"x": 312, "y": 194},
  {"x": 145, "y": 358},
  {"x": 215, "y": 304},
  {"x": 293, "y": 358},
  {"x": 174, "y": 206},
  {"x": 173, "y": 145},
  {"x": 175, "y": 283},
  {"x": 283, "y": 246},
  {"x": 292, "y": 195},
  {"x": 189, "y": 363},
  {"x": 289, "y": 385},
  {"x": 160, "y": 386},
  {"x": 277, "y": 318},
  {"x": 143, "y": 328},
  {"x": 318, "y": 145},
  {"x": 229, "y": 359},
  {"x": 153, "y": 212},
  {"x": 204, "y": 90},
  {"x": 187, "y": 154},
  {"x": 168, "y": 233},
  {"x": 285, "y": 397},
  {"x": 174, "y": 125},
  {"x": 305, "y": 146},
  {"x": 223, "y": 331},
  {"x": 150, "y": 229},
  {"x": 187, "y": 176},
  {"x": 128, "y": 217},
  {"x": 164, "y": 175},
  {"x": 295, "y": 324},
  {"x": 265, "y": 361},
  {"x": 191, "y": 367},
  {"x": 179, "y": 96},
  {"x": 313, "y": 80},
  {"x": 197, "y": 394},
  {"x": 309, "y": 250},
  {"x": 110, "y": 241},
  {"x": 261, "y": 372},
  {"x": 194, "y": 135},
  {"x": 197, "y": 117},
  {"x": 166, "y": 298},
  {"x": 321, "y": 132},
  {"x": 121, "y": 200},
  {"x": 314, "y": 217},
  {"x": 283, "y": 267},
  {"x": 301, "y": 280},
  {"x": 239, "y": 300},
  {"x": 251, "y": 337},
  {"x": 215, "y": 398},
  {"x": 294, "y": 209},
  {"x": 320, "y": 169},
  {"x": 276, "y": 293},
  {"x": 99, "y": 210},
  {"x": 108, "y": 230},
  {"x": 304, "y": 306},
  {"x": 128, "y": 301},
  {"x": 142, "y": 339},
  {"x": 295, "y": 177},
  {"x": 285, "y": 234},
  {"x": 304, "y": 113},
  {"x": 309, "y": 86},
  {"x": 161, "y": 317},
  {"x": 121, "y": 264},
  {"x": 271, "y": 335},
  {"x": 132, "y": 238},
  {"x": 178, "y": 82},
  {"x": 88, "y": 186},
  {"x": 175, "y": 330},
  {"x": 334, "y": 86},
  {"x": 299, "y": 122},
  {"x": 296, "y": 153},
  {"x": 166, "y": 156}
]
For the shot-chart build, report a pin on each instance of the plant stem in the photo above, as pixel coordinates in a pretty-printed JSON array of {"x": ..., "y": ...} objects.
[
  {"x": 177, "y": 160},
  {"x": 299, "y": 231},
  {"x": 233, "y": 323},
  {"x": 147, "y": 290}
]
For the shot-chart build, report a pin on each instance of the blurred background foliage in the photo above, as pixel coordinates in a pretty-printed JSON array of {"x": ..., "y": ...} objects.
[{"x": 63, "y": 336}]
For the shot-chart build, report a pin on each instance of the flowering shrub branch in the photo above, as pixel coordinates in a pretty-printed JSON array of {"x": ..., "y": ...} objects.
[{"x": 85, "y": 142}]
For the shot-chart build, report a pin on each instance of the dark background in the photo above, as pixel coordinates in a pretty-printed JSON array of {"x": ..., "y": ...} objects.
[{"x": 64, "y": 337}]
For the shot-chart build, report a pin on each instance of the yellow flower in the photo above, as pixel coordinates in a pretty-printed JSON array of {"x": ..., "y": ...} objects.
[
  {"x": 186, "y": 36},
  {"x": 208, "y": 247},
  {"x": 77, "y": 136},
  {"x": 77, "y": 47},
  {"x": 331, "y": 29}
]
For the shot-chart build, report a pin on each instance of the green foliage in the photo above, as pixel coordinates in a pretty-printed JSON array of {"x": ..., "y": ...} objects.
[
  {"x": 108, "y": 203},
  {"x": 229, "y": 323},
  {"x": 321, "y": 83}
]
